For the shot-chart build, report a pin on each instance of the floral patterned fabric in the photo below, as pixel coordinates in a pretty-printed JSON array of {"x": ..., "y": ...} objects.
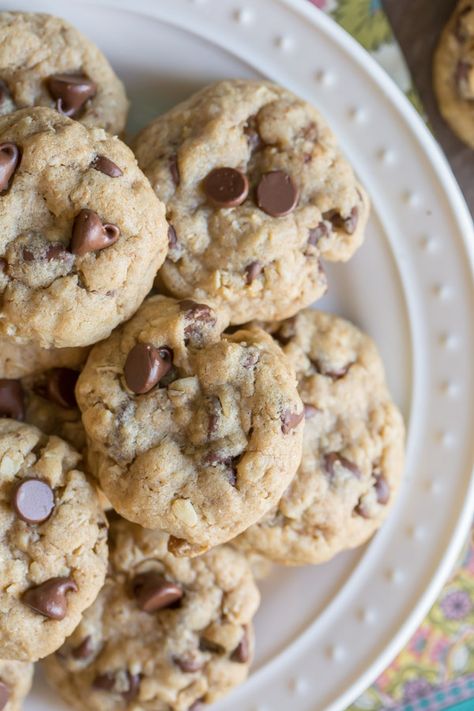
[{"x": 436, "y": 669}]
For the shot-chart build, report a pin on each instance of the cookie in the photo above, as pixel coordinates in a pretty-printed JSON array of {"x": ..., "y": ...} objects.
[
  {"x": 15, "y": 683},
  {"x": 81, "y": 231},
  {"x": 353, "y": 446},
  {"x": 454, "y": 72},
  {"x": 165, "y": 632},
  {"x": 53, "y": 552},
  {"x": 193, "y": 432},
  {"x": 44, "y": 61},
  {"x": 37, "y": 386},
  {"x": 257, "y": 193},
  {"x": 18, "y": 360}
]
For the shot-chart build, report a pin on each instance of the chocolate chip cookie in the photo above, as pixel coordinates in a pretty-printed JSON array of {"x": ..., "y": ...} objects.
[
  {"x": 257, "y": 193},
  {"x": 165, "y": 632},
  {"x": 44, "y": 61},
  {"x": 454, "y": 72},
  {"x": 44, "y": 396},
  {"x": 81, "y": 231},
  {"x": 15, "y": 683},
  {"x": 193, "y": 432},
  {"x": 53, "y": 552},
  {"x": 353, "y": 445}
]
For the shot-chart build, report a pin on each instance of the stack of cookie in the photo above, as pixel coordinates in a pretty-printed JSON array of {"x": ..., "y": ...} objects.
[{"x": 172, "y": 415}]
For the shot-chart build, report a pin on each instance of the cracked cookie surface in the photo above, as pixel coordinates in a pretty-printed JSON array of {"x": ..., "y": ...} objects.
[
  {"x": 165, "y": 633},
  {"x": 454, "y": 72},
  {"x": 257, "y": 193},
  {"x": 35, "y": 50},
  {"x": 15, "y": 683},
  {"x": 53, "y": 552},
  {"x": 79, "y": 247},
  {"x": 192, "y": 431},
  {"x": 353, "y": 445}
]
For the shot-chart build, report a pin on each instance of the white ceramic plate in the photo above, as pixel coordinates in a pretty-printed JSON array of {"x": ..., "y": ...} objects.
[{"x": 325, "y": 633}]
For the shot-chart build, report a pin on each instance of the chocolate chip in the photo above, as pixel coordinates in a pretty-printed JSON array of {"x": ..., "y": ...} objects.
[
  {"x": 33, "y": 500},
  {"x": 277, "y": 194},
  {"x": 27, "y": 255},
  {"x": 348, "y": 224},
  {"x": 89, "y": 234},
  {"x": 189, "y": 664},
  {"x": 174, "y": 169},
  {"x": 362, "y": 510},
  {"x": 71, "y": 91},
  {"x": 329, "y": 371},
  {"x": 172, "y": 237},
  {"x": 226, "y": 187},
  {"x": 251, "y": 131},
  {"x": 104, "y": 682},
  {"x": 84, "y": 650},
  {"x": 106, "y": 166},
  {"x": 3, "y": 265},
  {"x": 145, "y": 366},
  {"x": 332, "y": 458},
  {"x": 252, "y": 271},
  {"x": 310, "y": 411},
  {"x": 56, "y": 250},
  {"x": 60, "y": 387},
  {"x": 290, "y": 420},
  {"x": 382, "y": 489},
  {"x": 317, "y": 233},
  {"x": 4, "y": 695},
  {"x": 207, "y": 645},
  {"x": 153, "y": 592},
  {"x": 49, "y": 598},
  {"x": 241, "y": 653},
  {"x": 133, "y": 687},
  {"x": 11, "y": 399},
  {"x": 9, "y": 161},
  {"x": 197, "y": 315}
]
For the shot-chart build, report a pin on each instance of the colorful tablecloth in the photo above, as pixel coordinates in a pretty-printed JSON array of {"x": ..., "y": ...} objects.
[{"x": 436, "y": 669}]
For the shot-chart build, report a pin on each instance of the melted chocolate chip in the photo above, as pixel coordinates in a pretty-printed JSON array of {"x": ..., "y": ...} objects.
[
  {"x": 106, "y": 166},
  {"x": 226, "y": 187},
  {"x": 290, "y": 420},
  {"x": 317, "y": 233},
  {"x": 330, "y": 461},
  {"x": 89, "y": 234},
  {"x": 251, "y": 131},
  {"x": 172, "y": 237},
  {"x": 33, "y": 500},
  {"x": 348, "y": 224},
  {"x": 382, "y": 489},
  {"x": 55, "y": 250},
  {"x": 84, "y": 650},
  {"x": 4, "y": 695},
  {"x": 252, "y": 271},
  {"x": 331, "y": 372},
  {"x": 104, "y": 682},
  {"x": 10, "y": 157},
  {"x": 11, "y": 399},
  {"x": 189, "y": 664},
  {"x": 277, "y": 194},
  {"x": 145, "y": 366},
  {"x": 49, "y": 598},
  {"x": 241, "y": 653},
  {"x": 174, "y": 169},
  {"x": 71, "y": 91},
  {"x": 153, "y": 592},
  {"x": 60, "y": 387},
  {"x": 3, "y": 265},
  {"x": 196, "y": 315}
]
